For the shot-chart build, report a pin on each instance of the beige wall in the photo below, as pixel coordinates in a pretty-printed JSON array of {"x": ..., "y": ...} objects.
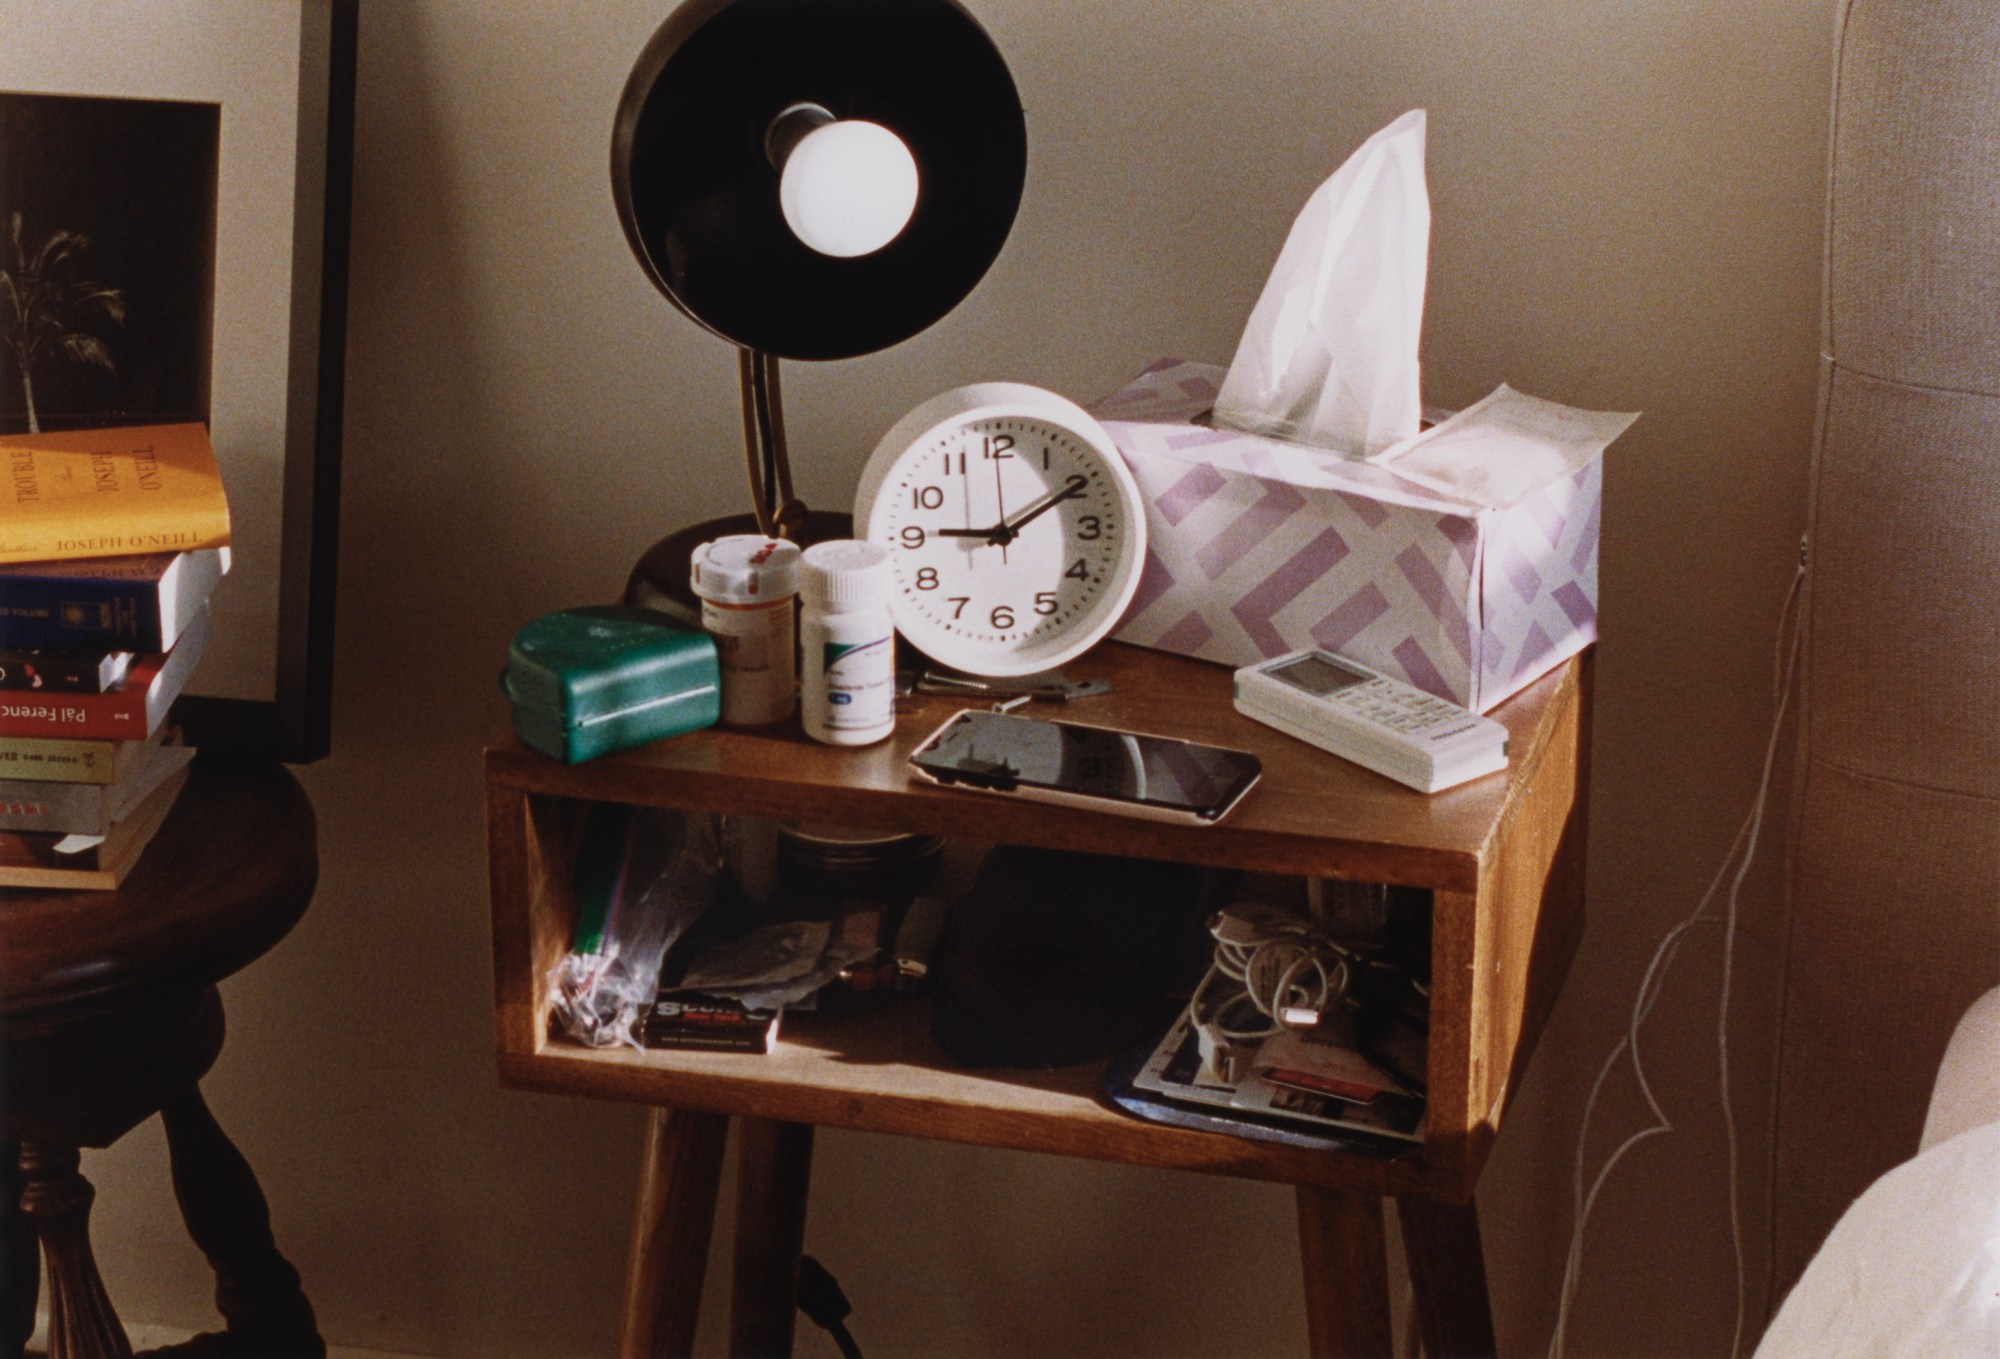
[{"x": 1627, "y": 201}]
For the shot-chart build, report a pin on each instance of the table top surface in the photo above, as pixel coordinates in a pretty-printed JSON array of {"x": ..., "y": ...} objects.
[
  {"x": 1312, "y": 813},
  {"x": 227, "y": 875}
]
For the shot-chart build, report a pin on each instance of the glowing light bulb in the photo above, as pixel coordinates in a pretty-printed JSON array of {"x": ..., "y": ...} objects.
[{"x": 848, "y": 188}]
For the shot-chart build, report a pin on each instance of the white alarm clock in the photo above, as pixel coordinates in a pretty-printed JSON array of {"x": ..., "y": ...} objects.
[{"x": 1016, "y": 531}]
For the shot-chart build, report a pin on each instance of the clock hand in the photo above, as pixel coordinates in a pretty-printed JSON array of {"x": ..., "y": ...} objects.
[
  {"x": 1001, "y": 534},
  {"x": 1006, "y": 531},
  {"x": 1012, "y": 527}
]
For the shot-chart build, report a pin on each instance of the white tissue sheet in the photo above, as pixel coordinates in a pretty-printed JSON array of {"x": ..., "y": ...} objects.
[
  {"x": 1329, "y": 355},
  {"x": 1256, "y": 547},
  {"x": 1504, "y": 448},
  {"x": 1911, "y": 1270}
]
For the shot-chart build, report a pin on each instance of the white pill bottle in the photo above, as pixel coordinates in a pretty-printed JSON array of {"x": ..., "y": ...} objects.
[
  {"x": 747, "y": 584},
  {"x": 847, "y": 643}
]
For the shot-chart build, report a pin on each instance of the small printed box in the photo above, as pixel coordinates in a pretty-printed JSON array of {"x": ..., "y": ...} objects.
[
  {"x": 1257, "y": 547},
  {"x": 586, "y": 682}
]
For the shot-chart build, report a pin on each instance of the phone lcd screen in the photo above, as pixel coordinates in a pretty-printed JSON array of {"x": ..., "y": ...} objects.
[
  {"x": 1317, "y": 675},
  {"x": 1003, "y": 752}
]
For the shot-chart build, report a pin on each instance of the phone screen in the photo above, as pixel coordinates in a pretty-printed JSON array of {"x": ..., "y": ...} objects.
[
  {"x": 1003, "y": 752},
  {"x": 1317, "y": 674}
]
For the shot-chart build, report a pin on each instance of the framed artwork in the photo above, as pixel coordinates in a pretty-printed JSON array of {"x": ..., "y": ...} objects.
[{"x": 174, "y": 196}]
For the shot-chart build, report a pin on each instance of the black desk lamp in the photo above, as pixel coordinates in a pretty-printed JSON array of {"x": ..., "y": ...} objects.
[{"x": 813, "y": 179}]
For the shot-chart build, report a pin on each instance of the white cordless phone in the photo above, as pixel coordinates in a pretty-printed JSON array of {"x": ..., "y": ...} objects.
[{"x": 1380, "y": 723}]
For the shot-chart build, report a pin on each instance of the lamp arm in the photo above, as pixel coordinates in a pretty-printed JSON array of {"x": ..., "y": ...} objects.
[{"x": 780, "y": 513}]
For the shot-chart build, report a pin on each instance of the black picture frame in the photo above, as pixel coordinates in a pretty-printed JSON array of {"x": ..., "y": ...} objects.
[{"x": 157, "y": 51}]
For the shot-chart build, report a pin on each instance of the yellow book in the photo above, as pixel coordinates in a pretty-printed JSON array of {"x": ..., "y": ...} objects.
[{"x": 110, "y": 493}]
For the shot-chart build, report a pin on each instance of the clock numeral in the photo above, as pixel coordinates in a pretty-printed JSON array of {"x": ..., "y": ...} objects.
[
  {"x": 1045, "y": 602},
  {"x": 1089, "y": 528},
  {"x": 927, "y": 497},
  {"x": 958, "y": 603},
  {"x": 1045, "y": 457},
  {"x": 949, "y": 469},
  {"x": 1074, "y": 486},
  {"x": 995, "y": 446},
  {"x": 913, "y": 537},
  {"x": 1002, "y": 617},
  {"x": 927, "y": 578},
  {"x": 1078, "y": 571}
]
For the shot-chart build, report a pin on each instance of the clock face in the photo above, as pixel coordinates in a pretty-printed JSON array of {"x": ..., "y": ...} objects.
[{"x": 1015, "y": 529}]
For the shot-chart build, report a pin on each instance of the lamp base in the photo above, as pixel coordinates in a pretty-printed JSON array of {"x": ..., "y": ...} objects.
[{"x": 659, "y": 579}]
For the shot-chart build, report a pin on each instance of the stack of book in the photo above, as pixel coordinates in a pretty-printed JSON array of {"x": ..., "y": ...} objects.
[{"x": 111, "y": 543}]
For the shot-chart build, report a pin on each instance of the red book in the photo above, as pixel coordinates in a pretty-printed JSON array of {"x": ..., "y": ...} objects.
[{"x": 131, "y": 712}]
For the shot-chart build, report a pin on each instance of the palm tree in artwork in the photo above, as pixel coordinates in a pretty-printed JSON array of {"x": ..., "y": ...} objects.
[{"x": 44, "y": 303}]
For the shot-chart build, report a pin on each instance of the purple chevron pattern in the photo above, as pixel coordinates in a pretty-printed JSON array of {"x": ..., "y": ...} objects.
[
  {"x": 1188, "y": 636},
  {"x": 1417, "y": 666},
  {"x": 1199, "y": 438},
  {"x": 1430, "y": 587},
  {"x": 1549, "y": 519},
  {"x": 1538, "y": 633},
  {"x": 1185, "y": 496},
  {"x": 1370, "y": 512},
  {"x": 1309, "y": 564},
  {"x": 1258, "y": 547},
  {"x": 1463, "y": 534},
  {"x": 1522, "y": 575},
  {"x": 1337, "y": 631},
  {"x": 1154, "y": 580},
  {"x": 1584, "y": 555},
  {"x": 1575, "y": 604},
  {"x": 1277, "y": 503}
]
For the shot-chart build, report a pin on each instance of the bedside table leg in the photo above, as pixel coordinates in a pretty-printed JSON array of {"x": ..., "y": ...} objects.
[
  {"x": 1448, "y": 1274},
  {"x": 671, "y": 1227},
  {"x": 20, "y": 1259},
  {"x": 257, "y": 1291},
  {"x": 1341, "y": 1244},
  {"x": 56, "y": 1198},
  {"x": 773, "y": 1174}
]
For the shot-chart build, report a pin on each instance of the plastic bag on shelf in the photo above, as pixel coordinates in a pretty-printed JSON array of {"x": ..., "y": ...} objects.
[{"x": 643, "y": 876}]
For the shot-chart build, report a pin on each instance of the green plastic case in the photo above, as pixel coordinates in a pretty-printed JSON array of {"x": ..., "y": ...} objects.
[{"x": 586, "y": 682}]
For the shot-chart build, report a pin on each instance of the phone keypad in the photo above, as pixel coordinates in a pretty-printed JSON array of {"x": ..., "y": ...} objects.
[{"x": 1397, "y": 708}]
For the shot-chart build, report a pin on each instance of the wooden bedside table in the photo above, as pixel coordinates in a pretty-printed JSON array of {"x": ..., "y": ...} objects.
[{"x": 1502, "y": 856}]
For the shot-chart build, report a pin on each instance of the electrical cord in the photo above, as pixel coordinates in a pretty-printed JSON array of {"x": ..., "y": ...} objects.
[
  {"x": 1784, "y": 667},
  {"x": 1273, "y": 970},
  {"x": 825, "y": 1305},
  {"x": 1286, "y": 979}
]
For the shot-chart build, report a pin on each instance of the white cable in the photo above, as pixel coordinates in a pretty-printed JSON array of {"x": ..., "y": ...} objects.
[
  {"x": 1582, "y": 1204},
  {"x": 1271, "y": 971},
  {"x": 1281, "y": 963}
]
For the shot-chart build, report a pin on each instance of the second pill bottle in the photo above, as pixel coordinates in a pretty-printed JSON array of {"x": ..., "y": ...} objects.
[{"x": 847, "y": 643}]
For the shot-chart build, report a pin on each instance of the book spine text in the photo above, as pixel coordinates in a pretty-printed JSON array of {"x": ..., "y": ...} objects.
[{"x": 77, "y": 615}]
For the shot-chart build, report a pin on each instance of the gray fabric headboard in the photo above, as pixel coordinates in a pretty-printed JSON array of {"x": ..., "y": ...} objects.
[{"x": 1894, "y": 883}]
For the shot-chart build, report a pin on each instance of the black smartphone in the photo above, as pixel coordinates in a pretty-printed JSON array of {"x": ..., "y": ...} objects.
[{"x": 1158, "y": 777}]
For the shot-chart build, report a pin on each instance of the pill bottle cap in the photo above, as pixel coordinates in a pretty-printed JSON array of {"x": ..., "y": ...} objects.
[
  {"x": 844, "y": 575},
  {"x": 746, "y": 568}
]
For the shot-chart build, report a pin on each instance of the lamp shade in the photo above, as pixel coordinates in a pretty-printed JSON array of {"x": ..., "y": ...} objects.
[{"x": 699, "y": 196}]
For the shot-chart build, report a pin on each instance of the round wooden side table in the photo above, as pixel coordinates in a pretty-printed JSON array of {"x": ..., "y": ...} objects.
[{"x": 109, "y": 1014}]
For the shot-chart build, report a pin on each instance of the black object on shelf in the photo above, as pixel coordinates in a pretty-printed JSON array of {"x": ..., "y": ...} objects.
[{"x": 1050, "y": 957}]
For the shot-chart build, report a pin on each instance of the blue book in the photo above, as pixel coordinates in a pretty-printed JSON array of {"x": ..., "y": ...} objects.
[{"x": 140, "y": 603}]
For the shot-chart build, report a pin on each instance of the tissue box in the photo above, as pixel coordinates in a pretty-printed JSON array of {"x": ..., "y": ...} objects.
[{"x": 1257, "y": 547}]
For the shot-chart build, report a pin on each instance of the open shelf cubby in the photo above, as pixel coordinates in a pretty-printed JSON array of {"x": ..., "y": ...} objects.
[{"x": 1501, "y": 856}]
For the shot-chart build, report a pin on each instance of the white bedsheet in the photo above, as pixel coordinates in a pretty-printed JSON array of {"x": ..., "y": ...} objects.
[{"x": 1911, "y": 1271}]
